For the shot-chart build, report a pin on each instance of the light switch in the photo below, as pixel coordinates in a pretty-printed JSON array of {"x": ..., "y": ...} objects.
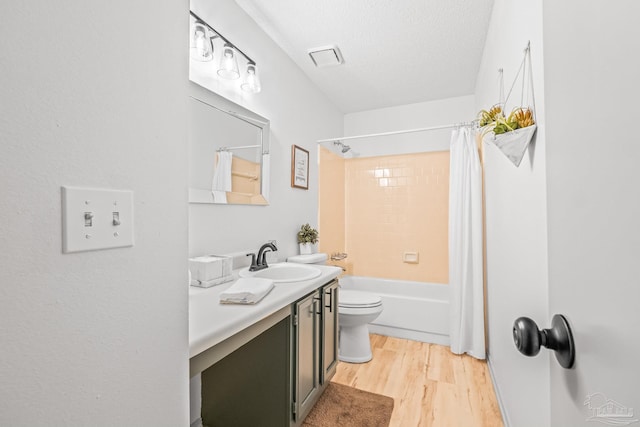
[{"x": 95, "y": 219}]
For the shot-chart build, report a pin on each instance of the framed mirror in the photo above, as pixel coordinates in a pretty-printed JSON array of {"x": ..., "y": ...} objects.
[{"x": 228, "y": 151}]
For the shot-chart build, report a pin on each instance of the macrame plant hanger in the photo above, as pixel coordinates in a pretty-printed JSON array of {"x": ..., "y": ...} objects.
[{"x": 514, "y": 143}]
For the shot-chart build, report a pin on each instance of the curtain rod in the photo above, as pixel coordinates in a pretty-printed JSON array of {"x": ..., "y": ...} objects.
[
  {"x": 238, "y": 148},
  {"x": 397, "y": 132}
]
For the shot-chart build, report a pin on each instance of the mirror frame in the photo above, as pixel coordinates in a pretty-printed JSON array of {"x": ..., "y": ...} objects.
[{"x": 224, "y": 105}]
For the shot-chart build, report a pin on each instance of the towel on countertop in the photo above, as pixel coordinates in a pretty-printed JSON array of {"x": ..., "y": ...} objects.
[{"x": 246, "y": 290}]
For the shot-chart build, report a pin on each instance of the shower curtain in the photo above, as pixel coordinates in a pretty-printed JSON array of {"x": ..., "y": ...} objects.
[
  {"x": 222, "y": 177},
  {"x": 465, "y": 246}
]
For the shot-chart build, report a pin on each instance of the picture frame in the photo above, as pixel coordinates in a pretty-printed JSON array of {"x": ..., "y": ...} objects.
[{"x": 299, "y": 167}]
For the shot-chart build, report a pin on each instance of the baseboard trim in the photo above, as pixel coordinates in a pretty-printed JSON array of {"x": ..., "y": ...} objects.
[
  {"x": 409, "y": 334},
  {"x": 496, "y": 390}
]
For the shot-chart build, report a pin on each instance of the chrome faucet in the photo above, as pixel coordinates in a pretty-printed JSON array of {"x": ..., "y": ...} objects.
[{"x": 260, "y": 262}]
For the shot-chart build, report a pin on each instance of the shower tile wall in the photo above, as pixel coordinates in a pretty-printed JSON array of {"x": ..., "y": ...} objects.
[
  {"x": 395, "y": 204},
  {"x": 331, "y": 201}
]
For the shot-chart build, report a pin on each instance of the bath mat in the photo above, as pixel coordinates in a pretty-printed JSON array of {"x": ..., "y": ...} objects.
[{"x": 345, "y": 406}]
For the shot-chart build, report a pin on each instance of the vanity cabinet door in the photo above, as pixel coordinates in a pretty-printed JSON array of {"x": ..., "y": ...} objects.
[
  {"x": 329, "y": 330},
  {"x": 307, "y": 347},
  {"x": 250, "y": 387}
]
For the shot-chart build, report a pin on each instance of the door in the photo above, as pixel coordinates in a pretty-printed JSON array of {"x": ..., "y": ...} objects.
[
  {"x": 329, "y": 330},
  {"x": 593, "y": 190},
  {"x": 307, "y": 362}
]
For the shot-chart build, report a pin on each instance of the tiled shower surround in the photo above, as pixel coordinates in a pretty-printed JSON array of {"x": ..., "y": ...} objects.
[{"x": 392, "y": 205}]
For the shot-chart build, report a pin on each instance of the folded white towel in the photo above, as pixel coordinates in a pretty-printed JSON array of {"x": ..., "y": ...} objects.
[{"x": 246, "y": 290}]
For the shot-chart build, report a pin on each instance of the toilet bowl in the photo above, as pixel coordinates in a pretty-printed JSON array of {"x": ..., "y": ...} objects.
[{"x": 356, "y": 309}]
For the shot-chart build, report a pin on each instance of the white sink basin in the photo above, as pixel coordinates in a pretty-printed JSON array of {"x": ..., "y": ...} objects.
[{"x": 284, "y": 272}]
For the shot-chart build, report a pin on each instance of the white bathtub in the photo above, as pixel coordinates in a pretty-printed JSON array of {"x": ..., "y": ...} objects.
[{"x": 411, "y": 310}]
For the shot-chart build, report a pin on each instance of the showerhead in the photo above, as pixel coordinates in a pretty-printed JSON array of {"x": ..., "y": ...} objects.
[{"x": 344, "y": 147}]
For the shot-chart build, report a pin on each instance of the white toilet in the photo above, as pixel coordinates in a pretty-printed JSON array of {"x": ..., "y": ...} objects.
[{"x": 356, "y": 309}]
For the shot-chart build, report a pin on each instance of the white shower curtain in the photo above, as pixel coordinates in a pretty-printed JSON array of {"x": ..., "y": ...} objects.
[{"x": 465, "y": 246}]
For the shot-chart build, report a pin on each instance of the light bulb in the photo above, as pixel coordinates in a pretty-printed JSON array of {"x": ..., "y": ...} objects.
[
  {"x": 251, "y": 80},
  {"x": 201, "y": 47},
  {"x": 228, "y": 63}
]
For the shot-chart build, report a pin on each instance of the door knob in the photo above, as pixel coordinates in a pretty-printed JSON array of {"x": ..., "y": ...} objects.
[{"x": 528, "y": 339}]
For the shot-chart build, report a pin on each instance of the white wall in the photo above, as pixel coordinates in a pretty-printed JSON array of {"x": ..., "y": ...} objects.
[
  {"x": 299, "y": 115},
  {"x": 93, "y": 94},
  {"x": 517, "y": 283},
  {"x": 411, "y": 116}
]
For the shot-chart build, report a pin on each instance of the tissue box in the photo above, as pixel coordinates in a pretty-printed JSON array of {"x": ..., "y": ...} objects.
[
  {"x": 213, "y": 282},
  {"x": 209, "y": 268}
]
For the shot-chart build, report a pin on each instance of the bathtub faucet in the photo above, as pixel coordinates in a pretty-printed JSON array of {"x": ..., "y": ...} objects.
[
  {"x": 260, "y": 262},
  {"x": 338, "y": 256}
]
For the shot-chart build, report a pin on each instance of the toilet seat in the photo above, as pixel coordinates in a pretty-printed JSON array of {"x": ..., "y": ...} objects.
[{"x": 358, "y": 299}]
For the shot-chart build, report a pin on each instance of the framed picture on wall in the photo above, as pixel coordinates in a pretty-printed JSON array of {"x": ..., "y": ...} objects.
[{"x": 299, "y": 167}]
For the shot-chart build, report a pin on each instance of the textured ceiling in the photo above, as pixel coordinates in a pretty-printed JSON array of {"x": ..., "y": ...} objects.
[{"x": 396, "y": 51}]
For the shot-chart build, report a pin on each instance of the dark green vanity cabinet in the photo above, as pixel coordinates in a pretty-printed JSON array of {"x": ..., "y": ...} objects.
[
  {"x": 273, "y": 372},
  {"x": 329, "y": 330},
  {"x": 315, "y": 347},
  {"x": 246, "y": 378},
  {"x": 249, "y": 386}
]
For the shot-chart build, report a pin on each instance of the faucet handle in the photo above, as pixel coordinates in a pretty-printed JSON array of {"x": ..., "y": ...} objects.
[{"x": 253, "y": 262}]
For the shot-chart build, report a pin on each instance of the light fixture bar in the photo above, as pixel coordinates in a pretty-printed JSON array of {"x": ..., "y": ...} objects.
[{"x": 221, "y": 36}]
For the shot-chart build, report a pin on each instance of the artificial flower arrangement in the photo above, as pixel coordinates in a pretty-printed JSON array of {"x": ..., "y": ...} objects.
[
  {"x": 307, "y": 237},
  {"x": 495, "y": 120}
]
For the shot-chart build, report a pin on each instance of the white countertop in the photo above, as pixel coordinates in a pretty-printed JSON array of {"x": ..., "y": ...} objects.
[{"x": 211, "y": 322}]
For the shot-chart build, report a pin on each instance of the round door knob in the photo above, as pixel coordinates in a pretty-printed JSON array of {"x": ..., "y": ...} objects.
[
  {"x": 526, "y": 336},
  {"x": 528, "y": 339}
]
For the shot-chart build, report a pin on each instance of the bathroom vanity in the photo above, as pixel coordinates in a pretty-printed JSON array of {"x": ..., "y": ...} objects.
[{"x": 264, "y": 364}]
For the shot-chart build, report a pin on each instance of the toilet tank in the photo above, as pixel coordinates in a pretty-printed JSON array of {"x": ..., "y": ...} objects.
[{"x": 318, "y": 259}]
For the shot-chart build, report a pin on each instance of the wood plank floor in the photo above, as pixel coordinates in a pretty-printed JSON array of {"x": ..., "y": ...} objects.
[{"x": 431, "y": 386}]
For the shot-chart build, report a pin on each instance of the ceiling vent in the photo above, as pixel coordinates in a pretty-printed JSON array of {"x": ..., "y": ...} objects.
[{"x": 326, "y": 56}]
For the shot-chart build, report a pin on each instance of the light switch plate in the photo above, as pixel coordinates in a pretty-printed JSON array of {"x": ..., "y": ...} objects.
[{"x": 95, "y": 219}]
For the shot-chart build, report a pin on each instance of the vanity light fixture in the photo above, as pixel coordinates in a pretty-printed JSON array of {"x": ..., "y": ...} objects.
[
  {"x": 201, "y": 44},
  {"x": 228, "y": 63},
  {"x": 203, "y": 39},
  {"x": 251, "y": 80}
]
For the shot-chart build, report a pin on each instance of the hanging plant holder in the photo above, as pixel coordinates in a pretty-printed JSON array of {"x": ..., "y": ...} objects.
[
  {"x": 514, "y": 144},
  {"x": 513, "y": 134}
]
